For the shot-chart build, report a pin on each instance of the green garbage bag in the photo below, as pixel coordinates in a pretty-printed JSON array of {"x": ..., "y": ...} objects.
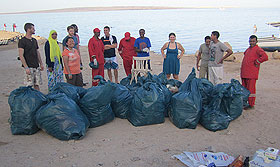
[
  {"x": 233, "y": 98},
  {"x": 121, "y": 101},
  {"x": 73, "y": 92},
  {"x": 186, "y": 105},
  {"x": 121, "y": 98},
  {"x": 96, "y": 104},
  {"x": 133, "y": 86},
  {"x": 24, "y": 102},
  {"x": 62, "y": 118},
  {"x": 214, "y": 117},
  {"x": 147, "y": 106}
]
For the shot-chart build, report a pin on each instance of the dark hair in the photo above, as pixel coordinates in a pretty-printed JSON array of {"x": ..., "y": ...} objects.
[
  {"x": 28, "y": 26},
  {"x": 141, "y": 30},
  {"x": 75, "y": 27},
  {"x": 107, "y": 27},
  {"x": 207, "y": 37},
  {"x": 172, "y": 34},
  {"x": 67, "y": 39},
  {"x": 253, "y": 36},
  {"x": 216, "y": 33},
  {"x": 70, "y": 27}
]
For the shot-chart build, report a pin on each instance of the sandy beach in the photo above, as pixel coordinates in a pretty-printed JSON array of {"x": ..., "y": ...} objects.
[{"x": 118, "y": 143}]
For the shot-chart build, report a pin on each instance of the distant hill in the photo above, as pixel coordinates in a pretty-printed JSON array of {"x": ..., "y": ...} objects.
[{"x": 88, "y": 9}]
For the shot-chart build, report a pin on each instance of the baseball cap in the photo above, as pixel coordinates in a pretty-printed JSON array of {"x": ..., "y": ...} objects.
[
  {"x": 127, "y": 36},
  {"x": 96, "y": 30}
]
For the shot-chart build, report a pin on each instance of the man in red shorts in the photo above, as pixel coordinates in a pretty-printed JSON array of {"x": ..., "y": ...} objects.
[
  {"x": 250, "y": 67},
  {"x": 96, "y": 51},
  {"x": 127, "y": 51}
]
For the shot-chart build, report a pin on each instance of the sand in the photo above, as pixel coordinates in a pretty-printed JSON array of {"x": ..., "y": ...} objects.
[{"x": 118, "y": 143}]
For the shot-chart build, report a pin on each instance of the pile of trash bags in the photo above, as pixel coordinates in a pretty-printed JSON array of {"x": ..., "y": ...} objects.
[{"x": 68, "y": 111}]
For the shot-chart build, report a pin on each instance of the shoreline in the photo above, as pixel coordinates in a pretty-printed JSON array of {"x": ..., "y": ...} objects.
[{"x": 112, "y": 8}]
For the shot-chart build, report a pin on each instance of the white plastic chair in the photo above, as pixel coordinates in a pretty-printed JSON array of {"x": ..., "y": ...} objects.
[{"x": 139, "y": 65}]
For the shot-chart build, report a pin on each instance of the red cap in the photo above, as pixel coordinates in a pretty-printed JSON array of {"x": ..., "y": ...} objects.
[
  {"x": 127, "y": 36},
  {"x": 96, "y": 30}
]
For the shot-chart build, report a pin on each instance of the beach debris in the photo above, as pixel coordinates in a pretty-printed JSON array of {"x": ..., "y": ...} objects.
[
  {"x": 266, "y": 158},
  {"x": 134, "y": 159},
  {"x": 197, "y": 159},
  {"x": 116, "y": 163}
]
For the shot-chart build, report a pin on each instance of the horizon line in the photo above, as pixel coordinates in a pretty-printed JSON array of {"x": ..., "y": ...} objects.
[{"x": 112, "y": 8}]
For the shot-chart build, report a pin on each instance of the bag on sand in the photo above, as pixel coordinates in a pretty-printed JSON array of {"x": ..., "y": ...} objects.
[
  {"x": 96, "y": 104},
  {"x": 24, "y": 102},
  {"x": 186, "y": 104},
  {"x": 147, "y": 105},
  {"x": 121, "y": 101},
  {"x": 73, "y": 92},
  {"x": 62, "y": 118},
  {"x": 121, "y": 98},
  {"x": 133, "y": 86},
  {"x": 214, "y": 117}
]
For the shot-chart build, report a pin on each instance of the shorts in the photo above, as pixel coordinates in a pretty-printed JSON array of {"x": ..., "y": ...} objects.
[
  {"x": 111, "y": 63},
  {"x": 77, "y": 79},
  {"x": 216, "y": 75},
  {"x": 34, "y": 78}
]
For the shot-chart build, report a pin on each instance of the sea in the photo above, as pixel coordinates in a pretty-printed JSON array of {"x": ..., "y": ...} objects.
[{"x": 190, "y": 25}]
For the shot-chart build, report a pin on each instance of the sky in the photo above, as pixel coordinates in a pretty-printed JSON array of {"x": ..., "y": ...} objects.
[{"x": 35, "y": 5}]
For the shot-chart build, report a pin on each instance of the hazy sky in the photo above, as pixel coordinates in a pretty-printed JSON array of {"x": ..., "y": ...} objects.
[{"x": 33, "y": 5}]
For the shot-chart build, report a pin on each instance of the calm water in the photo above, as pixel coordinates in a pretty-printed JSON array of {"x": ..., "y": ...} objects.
[{"x": 190, "y": 25}]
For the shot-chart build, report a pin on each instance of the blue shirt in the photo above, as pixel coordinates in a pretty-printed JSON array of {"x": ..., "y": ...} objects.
[
  {"x": 75, "y": 40},
  {"x": 141, "y": 44}
]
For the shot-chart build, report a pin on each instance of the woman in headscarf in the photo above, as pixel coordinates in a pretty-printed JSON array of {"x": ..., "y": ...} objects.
[{"x": 53, "y": 60}]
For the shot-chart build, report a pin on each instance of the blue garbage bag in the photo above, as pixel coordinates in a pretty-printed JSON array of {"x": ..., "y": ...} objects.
[
  {"x": 62, "y": 118},
  {"x": 96, "y": 104},
  {"x": 186, "y": 105},
  {"x": 24, "y": 103},
  {"x": 147, "y": 105},
  {"x": 73, "y": 92}
]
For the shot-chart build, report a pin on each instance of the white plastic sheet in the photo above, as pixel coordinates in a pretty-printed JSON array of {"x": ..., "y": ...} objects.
[{"x": 196, "y": 159}]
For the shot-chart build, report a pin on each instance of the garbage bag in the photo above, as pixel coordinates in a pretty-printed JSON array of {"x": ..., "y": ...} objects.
[
  {"x": 121, "y": 98},
  {"x": 24, "y": 102},
  {"x": 73, "y": 92},
  {"x": 121, "y": 101},
  {"x": 96, "y": 104},
  {"x": 186, "y": 105},
  {"x": 232, "y": 101},
  {"x": 205, "y": 88},
  {"x": 147, "y": 106},
  {"x": 214, "y": 117},
  {"x": 62, "y": 118},
  {"x": 133, "y": 86}
]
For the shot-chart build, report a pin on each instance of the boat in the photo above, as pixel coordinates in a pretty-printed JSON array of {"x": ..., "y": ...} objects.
[{"x": 272, "y": 43}]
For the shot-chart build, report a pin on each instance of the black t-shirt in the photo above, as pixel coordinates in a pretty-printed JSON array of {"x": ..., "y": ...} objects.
[
  {"x": 30, "y": 47},
  {"x": 110, "y": 52}
]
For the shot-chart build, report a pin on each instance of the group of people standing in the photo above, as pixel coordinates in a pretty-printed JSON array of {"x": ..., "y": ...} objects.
[
  {"x": 211, "y": 54},
  {"x": 103, "y": 56}
]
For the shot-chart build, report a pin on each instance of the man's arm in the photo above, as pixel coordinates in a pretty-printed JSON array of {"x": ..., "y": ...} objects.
[
  {"x": 40, "y": 60},
  {"x": 262, "y": 57},
  {"x": 197, "y": 61},
  {"x": 229, "y": 52},
  {"x": 22, "y": 59}
]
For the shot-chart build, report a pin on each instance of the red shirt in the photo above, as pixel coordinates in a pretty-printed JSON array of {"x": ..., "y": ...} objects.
[
  {"x": 127, "y": 48},
  {"x": 96, "y": 47},
  {"x": 252, "y": 57}
]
